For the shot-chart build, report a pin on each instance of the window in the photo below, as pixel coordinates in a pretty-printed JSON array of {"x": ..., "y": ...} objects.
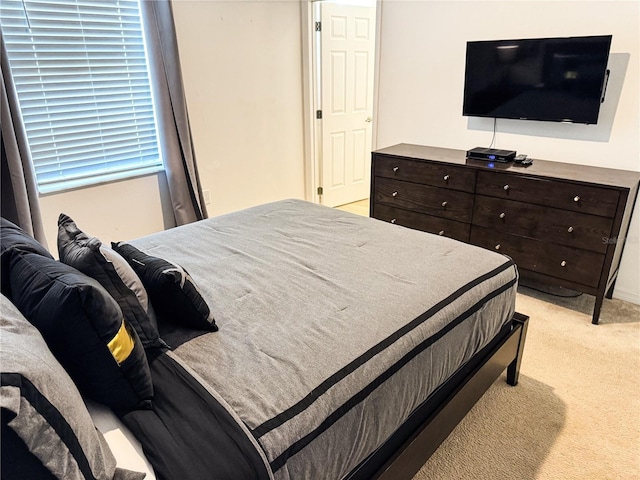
[{"x": 81, "y": 73}]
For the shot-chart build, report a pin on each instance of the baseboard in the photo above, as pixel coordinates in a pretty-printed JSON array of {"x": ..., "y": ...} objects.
[{"x": 631, "y": 297}]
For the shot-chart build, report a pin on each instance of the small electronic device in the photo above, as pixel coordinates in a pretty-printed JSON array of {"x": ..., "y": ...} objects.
[
  {"x": 523, "y": 160},
  {"x": 491, "y": 154}
]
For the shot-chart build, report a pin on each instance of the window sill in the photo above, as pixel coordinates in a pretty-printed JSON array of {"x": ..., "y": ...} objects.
[{"x": 61, "y": 187}]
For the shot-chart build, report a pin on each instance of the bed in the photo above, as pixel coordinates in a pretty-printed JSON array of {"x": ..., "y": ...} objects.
[{"x": 347, "y": 347}]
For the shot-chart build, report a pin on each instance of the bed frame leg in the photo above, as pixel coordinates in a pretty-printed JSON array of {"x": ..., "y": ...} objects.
[{"x": 513, "y": 370}]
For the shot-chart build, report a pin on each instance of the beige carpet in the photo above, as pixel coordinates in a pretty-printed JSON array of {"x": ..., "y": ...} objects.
[{"x": 575, "y": 413}]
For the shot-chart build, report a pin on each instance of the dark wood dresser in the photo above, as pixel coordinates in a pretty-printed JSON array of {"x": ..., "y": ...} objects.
[{"x": 563, "y": 224}]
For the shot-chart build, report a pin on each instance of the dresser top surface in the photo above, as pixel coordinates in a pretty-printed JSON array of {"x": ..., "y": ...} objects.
[{"x": 539, "y": 168}]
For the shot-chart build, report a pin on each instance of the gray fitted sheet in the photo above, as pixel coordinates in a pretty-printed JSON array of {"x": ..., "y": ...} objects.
[{"x": 333, "y": 327}]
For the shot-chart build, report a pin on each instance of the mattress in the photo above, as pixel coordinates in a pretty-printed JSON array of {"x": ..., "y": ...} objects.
[{"x": 334, "y": 328}]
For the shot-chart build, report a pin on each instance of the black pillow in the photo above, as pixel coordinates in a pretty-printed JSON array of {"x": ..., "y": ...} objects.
[
  {"x": 91, "y": 257},
  {"x": 174, "y": 294},
  {"x": 13, "y": 237},
  {"x": 47, "y": 432},
  {"x": 84, "y": 329}
]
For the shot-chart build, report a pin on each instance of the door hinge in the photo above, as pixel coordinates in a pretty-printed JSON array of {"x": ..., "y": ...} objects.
[
  {"x": 319, "y": 114},
  {"x": 319, "y": 190},
  {"x": 318, "y": 26}
]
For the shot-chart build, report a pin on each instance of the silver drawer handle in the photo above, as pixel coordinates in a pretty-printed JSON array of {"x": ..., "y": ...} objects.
[
  {"x": 393, "y": 220},
  {"x": 576, "y": 198},
  {"x": 441, "y": 232},
  {"x": 498, "y": 247},
  {"x": 395, "y": 169},
  {"x": 502, "y": 215},
  {"x": 506, "y": 187},
  {"x": 563, "y": 263},
  {"x": 446, "y": 178},
  {"x": 570, "y": 229},
  {"x": 444, "y": 204},
  {"x": 394, "y": 194}
]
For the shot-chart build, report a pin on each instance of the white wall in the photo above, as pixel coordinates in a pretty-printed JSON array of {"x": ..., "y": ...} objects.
[
  {"x": 112, "y": 212},
  {"x": 242, "y": 69},
  {"x": 421, "y": 77}
]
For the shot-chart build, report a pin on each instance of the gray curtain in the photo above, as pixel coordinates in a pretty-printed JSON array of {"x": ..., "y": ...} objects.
[
  {"x": 20, "y": 202},
  {"x": 173, "y": 121}
]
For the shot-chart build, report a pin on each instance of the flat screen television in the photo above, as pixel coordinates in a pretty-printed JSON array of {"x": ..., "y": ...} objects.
[{"x": 549, "y": 79}]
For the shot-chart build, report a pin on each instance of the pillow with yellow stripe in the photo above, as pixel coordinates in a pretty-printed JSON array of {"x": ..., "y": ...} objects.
[
  {"x": 84, "y": 328},
  {"x": 46, "y": 430}
]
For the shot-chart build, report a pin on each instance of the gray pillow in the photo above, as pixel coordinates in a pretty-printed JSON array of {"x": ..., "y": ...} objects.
[{"x": 42, "y": 405}]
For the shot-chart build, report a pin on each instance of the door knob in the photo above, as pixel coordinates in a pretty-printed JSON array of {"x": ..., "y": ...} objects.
[{"x": 369, "y": 119}]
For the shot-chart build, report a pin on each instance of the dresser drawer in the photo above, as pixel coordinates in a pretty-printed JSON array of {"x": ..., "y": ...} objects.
[
  {"x": 440, "y": 202},
  {"x": 420, "y": 221},
  {"x": 435, "y": 174},
  {"x": 553, "y": 193},
  {"x": 547, "y": 224},
  {"x": 558, "y": 261}
]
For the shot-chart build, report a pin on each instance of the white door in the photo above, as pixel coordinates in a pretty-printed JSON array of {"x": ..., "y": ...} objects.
[{"x": 347, "y": 55}]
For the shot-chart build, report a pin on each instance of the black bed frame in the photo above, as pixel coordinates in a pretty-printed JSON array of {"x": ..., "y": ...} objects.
[{"x": 402, "y": 456}]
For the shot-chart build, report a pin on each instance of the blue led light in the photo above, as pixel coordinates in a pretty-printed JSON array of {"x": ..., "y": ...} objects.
[
  {"x": 491, "y": 165},
  {"x": 492, "y": 157}
]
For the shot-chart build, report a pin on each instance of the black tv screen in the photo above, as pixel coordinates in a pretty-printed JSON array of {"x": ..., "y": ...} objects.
[{"x": 550, "y": 79}]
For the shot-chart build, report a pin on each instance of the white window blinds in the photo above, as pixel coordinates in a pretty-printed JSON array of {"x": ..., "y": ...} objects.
[{"x": 81, "y": 73}]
